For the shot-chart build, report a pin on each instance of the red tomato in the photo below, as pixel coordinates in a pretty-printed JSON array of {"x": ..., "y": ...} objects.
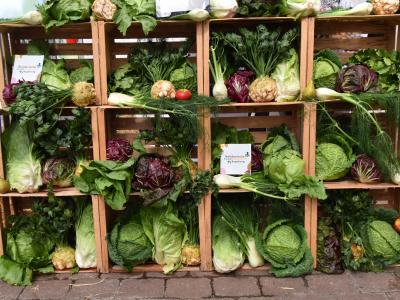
[{"x": 183, "y": 94}]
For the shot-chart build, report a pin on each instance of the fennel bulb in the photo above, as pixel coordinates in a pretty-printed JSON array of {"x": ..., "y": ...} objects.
[
  {"x": 31, "y": 18},
  {"x": 219, "y": 91},
  {"x": 223, "y": 8},
  {"x": 396, "y": 178},
  {"x": 254, "y": 257},
  {"x": 302, "y": 8},
  {"x": 226, "y": 181},
  {"x": 120, "y": 99},
  {"x": 327, "y": 94}
]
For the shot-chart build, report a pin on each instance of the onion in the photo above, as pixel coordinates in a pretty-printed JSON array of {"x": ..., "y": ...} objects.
[{"x": 365, "y": 170}]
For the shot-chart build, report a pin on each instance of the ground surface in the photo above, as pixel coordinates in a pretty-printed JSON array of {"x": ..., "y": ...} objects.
[{"x": 183, "y": 285}]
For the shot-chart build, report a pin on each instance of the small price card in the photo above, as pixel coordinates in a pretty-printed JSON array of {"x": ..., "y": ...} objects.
[
  {"x": 27, "y": 68},
  {"x": 235, "y": 159}
]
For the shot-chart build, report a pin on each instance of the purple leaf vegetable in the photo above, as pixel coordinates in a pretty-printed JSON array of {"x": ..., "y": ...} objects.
[
  {"x": 238, "y": 85},
  {"x": 356, "y": 79},
  {"x": 365, "y": 170},
  {"x": 118, "y": 149},
  {"x": 256, "y": 159},
  {"x": 9, "y": 94},
  {"x": 58, "y": 171},
  {"x": 153, "y": 172}
]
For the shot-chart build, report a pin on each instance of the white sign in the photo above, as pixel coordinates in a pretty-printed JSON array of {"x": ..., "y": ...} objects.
[
  {"x": 168, "y": 8},
  {"x": 235, "y": 159},
  {"x": 27, "y": 68}
]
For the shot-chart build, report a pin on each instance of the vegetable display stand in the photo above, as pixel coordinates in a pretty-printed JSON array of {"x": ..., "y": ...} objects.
[
  {"x": 75, "y": 44},
  {"x": 257, "y": 118},
  {"x": 348, "y": 37},
  {"x": 129, "y": 122}
]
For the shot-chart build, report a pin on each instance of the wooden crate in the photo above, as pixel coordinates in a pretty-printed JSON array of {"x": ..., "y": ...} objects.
[
  {"x": 115, "y": 47},
  {"x": 257, "y": 117},
  {"x": 347, "y": 35},
  {"x": 127, "y": 123},
  {"x": 14, "y": 39}
]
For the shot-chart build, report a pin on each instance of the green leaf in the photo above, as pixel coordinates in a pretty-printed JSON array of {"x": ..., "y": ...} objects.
[{"x": 14, "y": 273}]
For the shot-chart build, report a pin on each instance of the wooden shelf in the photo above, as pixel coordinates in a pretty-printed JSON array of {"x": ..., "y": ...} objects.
[
  {"x": 351, "y": 184},
  {"x": 58, "y": 192},
  {"x": 90, "y": 270},
  {"x": 252, "y": 19},
  {"x": 151, "y": 268},
  {"x": 261, "y": 104},
  {"x": 394, "y": 17}
]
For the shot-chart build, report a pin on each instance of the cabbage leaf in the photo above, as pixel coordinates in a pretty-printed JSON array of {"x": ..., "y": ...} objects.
[{"x": 287, "y": 77}]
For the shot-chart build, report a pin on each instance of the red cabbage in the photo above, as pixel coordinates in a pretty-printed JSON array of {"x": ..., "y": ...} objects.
[
  {"x": 153, "y": 172},
  {"x": 365, "y": 170},
  {"x": 256, "y": 159},
  {"x": 118, "y": 150},
  {"x": 356, "y": 79},
  {"x": 238, "y": 85}
]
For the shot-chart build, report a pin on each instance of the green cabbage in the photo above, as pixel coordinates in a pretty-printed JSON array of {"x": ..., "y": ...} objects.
[
  {"x": 326, "y": 68},
  {"x": 284, "y": 245},
  {"x": 286, "y": 167},
  {"x": 85, "y": 249},
  {"x": 167, "y": 233},
  {"x": 383, "y": 241},
  {"x": 287, "y": 77},
  {"x": 23, "y": 167},
  {"x": 227, "y": 251},
  {"x": 331, "y": 162},
  {"x": 128, "y": 244}
]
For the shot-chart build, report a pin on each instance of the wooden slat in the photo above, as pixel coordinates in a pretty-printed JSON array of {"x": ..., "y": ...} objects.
[
  {"x": 97, "y": 232},
  {"x": 258, "y": 122},
  {"x": 353, "y": 44},
  {"x": 96, "y": 61}
]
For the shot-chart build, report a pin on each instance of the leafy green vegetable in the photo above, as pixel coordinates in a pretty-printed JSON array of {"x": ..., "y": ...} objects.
[
  {"x": 185, "y": 77},
  {"x": 382, "y": 241},
  {"x": 83, "y": 73},
  {"x": 38, "y": 47},
  {"x": 110, "y": 179},
  {"x": 260, "y": 50},
  {"x": 168, "y": 234},
  {"x": 284, "y": 166},
  {"x": 85, "y": 250},
  {"x": 284, "y": 245},
  {"x": 331, "y": 162},
  {"x": 287, "y": 77},
  {"x": 23, "y": 169},
  {"x": 241, "y": 217},
  {"x": 257, "y": 8},
  {"x": 228, "y": 254},
  {"x": 385, "y": 63},
  {"x": 128, "y": 244},
  {"x": 60, "y": 12},
  {"x": 326, "y": 68},
  {"x": 142, "y": 11},
  {"x": 14, "y": 273},
  {"x": 55, "y": 76}
]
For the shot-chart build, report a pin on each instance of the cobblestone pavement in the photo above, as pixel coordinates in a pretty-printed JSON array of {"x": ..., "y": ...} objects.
[{"x": 242, "y": 285}]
